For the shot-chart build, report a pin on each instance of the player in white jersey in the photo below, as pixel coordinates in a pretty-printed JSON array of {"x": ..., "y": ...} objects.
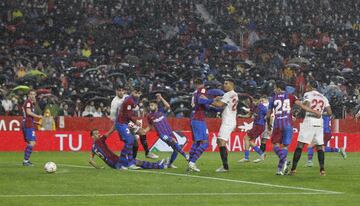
[
  {"x": 115, "y": 105},
  {"x": 228, "y": 120},
  {"x": 311, "y": 130}
]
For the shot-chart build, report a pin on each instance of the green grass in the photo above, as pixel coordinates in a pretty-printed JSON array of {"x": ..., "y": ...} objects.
[{"x": 342, "y": 176}]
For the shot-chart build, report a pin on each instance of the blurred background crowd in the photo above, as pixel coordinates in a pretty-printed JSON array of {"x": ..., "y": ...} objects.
[{"x": 75, "y": 52}]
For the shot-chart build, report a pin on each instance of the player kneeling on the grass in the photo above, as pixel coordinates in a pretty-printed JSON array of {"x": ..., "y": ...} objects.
[
  {"x": 327, "y": 137},
  {"x": 228, "y": 120},
  {"x": 101, "y": 149},
  {"x": 259, "y": 111},
  {"x": 28, "y": 126},
  {"x": 311, "y": 130},
  {"x": 158, "y": 120},
  {"x": 281, "y": 105}
]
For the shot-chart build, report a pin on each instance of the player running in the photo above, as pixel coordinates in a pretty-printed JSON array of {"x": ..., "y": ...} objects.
[
  {"x": 100, "y": 148},
  {"x": 259, "y": 111},
  {"x": 157, "y": 119},
  {"x": 281, "y": 105},
  {"x": 28, "y": 126},
  {"x": 228, "y": 120},
  {"x": 327, "y": 138},
  {"x": 198, "y": 126},
  {"x": 311, "y": 130}
]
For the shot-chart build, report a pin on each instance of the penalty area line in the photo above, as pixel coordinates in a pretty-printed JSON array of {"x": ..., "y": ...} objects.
[
  {"x": 161, "y": 194},
  {"x": 221, "y": 179}
]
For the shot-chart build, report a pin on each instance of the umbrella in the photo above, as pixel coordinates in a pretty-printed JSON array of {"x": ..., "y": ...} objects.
[
  {"x": 345, "y": 70},
  {"x": 133, "y": 60},
  {"x": 117, "y": 74},
  {"x": 91, "y": 70},
  {"x": 43, "y": 91},
  {"x": 299, "y": 60},
  {"x": 21, "y": 89},
  {"x": 35, "y": 73},
  {"x": 293, "y": 65}
]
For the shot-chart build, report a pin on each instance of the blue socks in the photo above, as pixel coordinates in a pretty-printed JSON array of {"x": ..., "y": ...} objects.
[
  {"x": 28, "y": 151},
  {"x": 247, "y": 153},
  {"x": 198, "y": 152},
  {"x": 331, "y": 149}
]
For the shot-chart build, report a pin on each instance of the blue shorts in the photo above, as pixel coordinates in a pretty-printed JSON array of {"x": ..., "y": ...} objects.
[
  {"x": 29, "y": 134},
  {"x": 124, "y": 133},
  {"x": 282, "y": 136},
  {"x": 199, "y": 130}
]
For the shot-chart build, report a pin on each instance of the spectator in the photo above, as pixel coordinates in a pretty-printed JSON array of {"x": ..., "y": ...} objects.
[{"x": 47, "y": 123}]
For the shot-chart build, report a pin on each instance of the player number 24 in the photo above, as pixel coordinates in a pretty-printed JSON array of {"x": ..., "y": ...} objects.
[{"x": 281, "y": 107}]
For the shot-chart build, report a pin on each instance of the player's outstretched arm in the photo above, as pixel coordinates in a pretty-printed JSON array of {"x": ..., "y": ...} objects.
[
  {"x": 111, "y": 130},
  {"x": 32, "y": 114},
  {"x": 268, "y": 120},
  {"x": 218, "y": 103},
  {"x": 93, "y": 163},
  {"x": 308, "y": 109},
  {"x": 166, "y": 104}
]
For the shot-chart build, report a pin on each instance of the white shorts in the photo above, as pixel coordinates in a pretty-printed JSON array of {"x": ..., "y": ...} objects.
[
  {"x": 225, "y": 131},
  {"x": 311, "y": 134}
]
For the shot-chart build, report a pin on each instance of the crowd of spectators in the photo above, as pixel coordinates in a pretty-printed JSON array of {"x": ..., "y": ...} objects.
[{"x": 74, "y": 52}]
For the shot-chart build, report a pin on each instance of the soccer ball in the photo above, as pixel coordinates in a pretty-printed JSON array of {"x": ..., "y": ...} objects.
[{"x": 50, "y": 167}]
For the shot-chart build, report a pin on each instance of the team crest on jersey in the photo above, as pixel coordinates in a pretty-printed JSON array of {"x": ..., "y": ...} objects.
[{"x": 129, "y": 107}]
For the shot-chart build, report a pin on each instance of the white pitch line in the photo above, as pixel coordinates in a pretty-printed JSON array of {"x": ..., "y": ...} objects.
[
  {"x": 222, "y": 179},
  {"x": 77, "y": 166},
  {"x": 160, "y": 194},
  {"x": 241, "y": 181}
]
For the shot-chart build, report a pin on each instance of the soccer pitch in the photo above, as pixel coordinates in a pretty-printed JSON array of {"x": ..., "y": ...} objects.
[{"x": 76, "y": 183}]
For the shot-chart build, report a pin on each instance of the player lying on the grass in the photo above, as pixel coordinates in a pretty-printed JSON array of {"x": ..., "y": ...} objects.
[
  {"x": 157, "y": 119},
  {"x": 259, "y": 110},
  {"x": 311, "y": 129},
  {"x": 327, "y": 138},
  {"x": 101, "y": 149},
  {"x": 28, "y": 126},
  {"x": 281, "y": 104}
]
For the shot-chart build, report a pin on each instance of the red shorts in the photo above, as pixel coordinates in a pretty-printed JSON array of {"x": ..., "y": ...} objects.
[
  {"x": 327, "y": 137},
  {"x": 256, "y": 131}
]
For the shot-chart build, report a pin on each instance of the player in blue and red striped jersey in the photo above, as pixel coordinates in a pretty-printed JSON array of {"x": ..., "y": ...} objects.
[
  {"x": 28, "y": 126},
  {"x": 327, "y": 138},
  {"x": 158, "y": 120},
  {"x": 282, "y": 104},
  {"x": 259, "y": 110},
  {"x": 199, "y": 129},
  {"x": 100, "y": 148},
  {"x": 125, "y": 115}
]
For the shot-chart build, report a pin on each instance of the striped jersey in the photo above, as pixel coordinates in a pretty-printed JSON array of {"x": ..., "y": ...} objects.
[
  {"x": 101, "y": 149},
  {"x": 199, "y": 107},
  {"x": 282, "y": 103},
  {"x": 28, "y": 120},
  {"x": 126, "y": 111},
  {"x": 160, "y": 123}
]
